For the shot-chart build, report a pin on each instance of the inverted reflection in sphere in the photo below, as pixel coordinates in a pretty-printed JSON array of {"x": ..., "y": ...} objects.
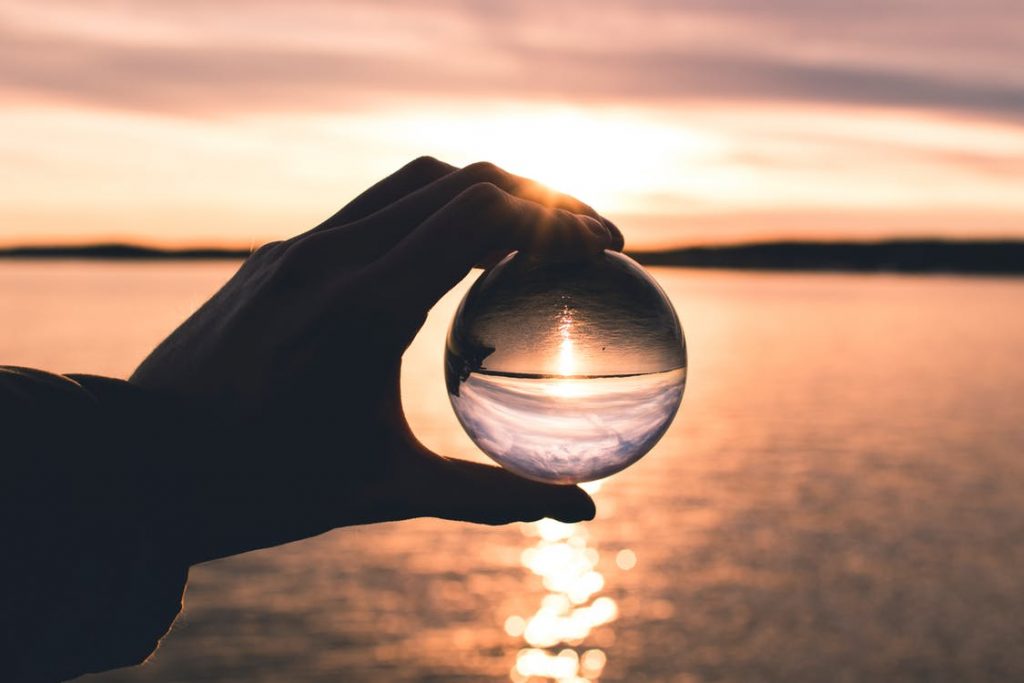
[{"x": 565, "y": 372}]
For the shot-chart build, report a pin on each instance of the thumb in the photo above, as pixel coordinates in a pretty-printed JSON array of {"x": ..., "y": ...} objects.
[{"x": 467, "y": 491}]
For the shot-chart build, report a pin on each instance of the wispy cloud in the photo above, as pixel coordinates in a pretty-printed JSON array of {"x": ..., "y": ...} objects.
[
  {"x": 188, "y": 57},
  {"x": 695, "y": 120}
]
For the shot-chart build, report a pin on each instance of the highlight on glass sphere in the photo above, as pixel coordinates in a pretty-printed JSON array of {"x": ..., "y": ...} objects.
[{"x": 565, "y": 372}]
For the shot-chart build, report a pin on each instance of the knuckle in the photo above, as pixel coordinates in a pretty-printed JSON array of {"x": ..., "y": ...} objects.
[
  {"x": 483, "y": 197},
  {"x": 425, "y": 166},
  {"x": 296, "y": 257},
  {"x": 266, "y": 251},
  {"x": 485, "y": 171},
  {"x": 286, "y": 268},
  {"x": 265, "y": 263}
]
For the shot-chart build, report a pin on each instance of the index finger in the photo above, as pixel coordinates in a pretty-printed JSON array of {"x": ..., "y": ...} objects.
[
  {"x": 482, "y": 220},
  {"x": 391, "y": 224},
  {"x": 414, "y": 176}
]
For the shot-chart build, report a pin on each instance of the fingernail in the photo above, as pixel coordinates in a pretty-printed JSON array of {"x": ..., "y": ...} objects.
[
  {"x": 598, "y": 229},
  {"x": 616, "y": 234}
]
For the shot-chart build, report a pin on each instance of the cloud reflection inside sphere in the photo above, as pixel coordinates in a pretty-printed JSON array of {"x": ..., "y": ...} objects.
[{"x": 565, "y": 372}]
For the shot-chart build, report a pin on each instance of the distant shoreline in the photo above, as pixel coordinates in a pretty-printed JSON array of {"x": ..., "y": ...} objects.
[
  {"x": 121, "y": 252},
  {"x": 970, "y": 257},
  {"x": 978, "y": 257}
]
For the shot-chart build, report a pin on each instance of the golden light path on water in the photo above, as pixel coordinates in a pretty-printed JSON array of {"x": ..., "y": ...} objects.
[
  {"x": 556, "y": 635},
  {"x": 848, "y": 515}
]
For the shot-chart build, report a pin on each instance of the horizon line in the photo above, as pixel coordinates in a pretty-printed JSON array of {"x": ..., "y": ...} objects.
[
  {"x": 130, "y": 249},
  {"x": 901, "y": 255}
]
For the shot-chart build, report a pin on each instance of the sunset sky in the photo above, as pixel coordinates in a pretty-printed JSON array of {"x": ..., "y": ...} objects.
[{"x": 232, "y": 123}]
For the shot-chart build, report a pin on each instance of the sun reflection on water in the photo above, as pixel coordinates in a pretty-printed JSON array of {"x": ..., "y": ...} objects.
[{"x": 555, "y": 635}]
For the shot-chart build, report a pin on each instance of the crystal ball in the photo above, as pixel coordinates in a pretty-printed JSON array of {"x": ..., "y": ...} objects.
[{"x": 565, "y": 372}]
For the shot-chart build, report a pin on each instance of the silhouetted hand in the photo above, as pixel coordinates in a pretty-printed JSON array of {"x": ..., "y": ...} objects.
[{"x": 295, "y": 364}]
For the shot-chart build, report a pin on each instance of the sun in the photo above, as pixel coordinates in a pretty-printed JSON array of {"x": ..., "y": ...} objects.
[
  {"x": 601, "y": 160},
  {"x": 613, "y": 159}
]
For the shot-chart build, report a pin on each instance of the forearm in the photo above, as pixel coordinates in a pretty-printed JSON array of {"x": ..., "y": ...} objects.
[{"x": 90, "y": 579}]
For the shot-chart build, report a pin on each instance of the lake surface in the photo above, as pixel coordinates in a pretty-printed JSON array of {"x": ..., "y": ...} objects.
[{"x": 841, "y": 498}]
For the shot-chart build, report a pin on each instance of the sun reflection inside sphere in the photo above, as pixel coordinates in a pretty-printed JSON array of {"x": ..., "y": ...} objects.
[{"x": 566, "y": 358}]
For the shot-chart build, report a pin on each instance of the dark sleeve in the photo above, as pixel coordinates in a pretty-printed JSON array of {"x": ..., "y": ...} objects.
[{"x": 89, "y": 578}]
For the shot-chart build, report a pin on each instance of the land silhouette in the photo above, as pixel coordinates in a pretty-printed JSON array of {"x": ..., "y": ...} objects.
[
  {"x": 1002, "y": 257},
  {"x": 995, "y": 257}
]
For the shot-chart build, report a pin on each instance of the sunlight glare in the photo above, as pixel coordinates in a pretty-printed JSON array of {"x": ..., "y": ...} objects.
[{"x": 610, "y": 157}]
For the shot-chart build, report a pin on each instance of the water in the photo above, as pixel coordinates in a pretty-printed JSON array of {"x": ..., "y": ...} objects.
[
  {"x": 567, "y": 429},
  {"x": 841, "y": 498}
]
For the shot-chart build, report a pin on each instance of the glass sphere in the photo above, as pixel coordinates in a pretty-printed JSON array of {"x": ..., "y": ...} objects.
[{"x": 565, "y": 372}]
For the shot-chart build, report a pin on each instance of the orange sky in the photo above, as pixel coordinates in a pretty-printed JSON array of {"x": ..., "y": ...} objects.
[{"x": 237, "y": 122}]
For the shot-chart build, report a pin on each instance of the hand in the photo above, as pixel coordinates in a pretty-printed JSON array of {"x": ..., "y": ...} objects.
[{"x": 297, "y": 360}]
